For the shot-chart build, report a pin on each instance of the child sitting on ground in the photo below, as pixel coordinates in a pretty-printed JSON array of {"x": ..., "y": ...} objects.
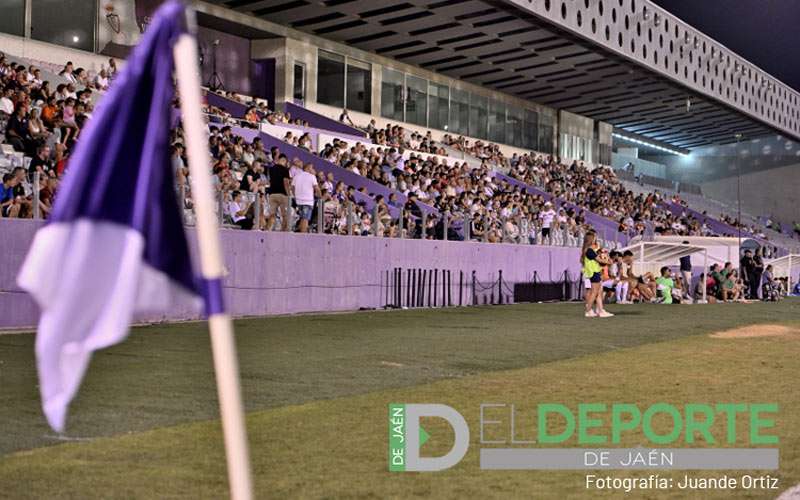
[{"x": 665, "y": 285}]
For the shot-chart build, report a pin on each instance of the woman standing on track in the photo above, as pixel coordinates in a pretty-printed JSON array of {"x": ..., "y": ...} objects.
[{"x": 592, "y": 274}]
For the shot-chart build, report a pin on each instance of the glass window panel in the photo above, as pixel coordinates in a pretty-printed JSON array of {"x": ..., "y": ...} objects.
[
  {"x": 299, "y": 89},
  {"x": 330, "y": 79},
  {"x": 515, "y": 118},
  {"x": 497, "y": 121},
  {"x": 478, "y": 106},
  {"x": 546, "y": 134},
  {"x": 438, "y": 106},
  {"x": 459, "y": 112},
  {"x": 531, "y": 130},
  {"x": 64, "y": 22},
  {"x": 359, "y": 86},
  {"x": 417, "y": 100},
  {"x": 547, "y": 139},
  {"x": 12, "y": 17},
  {"x": 392, "y": 94}
]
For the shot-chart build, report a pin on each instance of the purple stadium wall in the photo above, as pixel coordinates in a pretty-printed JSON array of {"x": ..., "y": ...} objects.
[
  {"x": 317, "y": 120},
  {"x": 236, "y": 109},
  {"x": 284, "y": 273}
]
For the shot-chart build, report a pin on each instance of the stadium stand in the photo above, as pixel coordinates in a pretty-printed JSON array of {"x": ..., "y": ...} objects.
[
  {"x": 666, "y": 219},
  {"x": 596, "y": 192}
]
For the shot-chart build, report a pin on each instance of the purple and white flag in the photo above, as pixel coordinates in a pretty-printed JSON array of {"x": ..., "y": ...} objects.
[{"x": 115, "y": 243}]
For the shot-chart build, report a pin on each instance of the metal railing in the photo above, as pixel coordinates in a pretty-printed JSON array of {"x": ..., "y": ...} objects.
[{"x": 346, "y": 217}]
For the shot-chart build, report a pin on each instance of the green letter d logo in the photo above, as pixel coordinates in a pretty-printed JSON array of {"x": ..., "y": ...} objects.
[{"x": 408, "y": 418}]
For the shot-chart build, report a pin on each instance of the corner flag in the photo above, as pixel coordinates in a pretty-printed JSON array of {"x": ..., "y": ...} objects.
[{"x": 115, "y": 243}]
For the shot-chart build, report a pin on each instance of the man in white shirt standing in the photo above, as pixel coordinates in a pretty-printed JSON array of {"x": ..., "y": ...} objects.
[
  {"x": 547, "y": 216},
  {"x": 305, "y": 189}
]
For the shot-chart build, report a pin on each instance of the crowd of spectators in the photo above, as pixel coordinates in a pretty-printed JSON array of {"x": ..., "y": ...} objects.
[
  {"x": 253, "y": 197},
  {"x": 599, "y": 190},
  {"x": 44, "y": 124},
  {"x": 261, "y": 188},
  {"x": 484, "y": 151},
  {"x": 257, "y": 112},
  {"x": 42, "y": 120},
  {"x": 748, "y": 228},
  {"x": 397, "y": 137},
  {"x": 495, "y": 210},
  {"x": 596, "y": 190}
]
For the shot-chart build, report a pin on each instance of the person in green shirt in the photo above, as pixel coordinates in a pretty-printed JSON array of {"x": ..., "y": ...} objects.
[
  {"x": 665, "y": 285},
  {"x": 727, "y": 270},
  {"x": 719, "y": 278},
  {"x": 728, "y": 282},
  {"x": 592, "y": 261},
  {"x": 733, "y": 288}
]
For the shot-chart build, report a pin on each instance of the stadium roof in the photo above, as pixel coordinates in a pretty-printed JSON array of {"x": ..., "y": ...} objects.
[{"x": 625, "y": 62}]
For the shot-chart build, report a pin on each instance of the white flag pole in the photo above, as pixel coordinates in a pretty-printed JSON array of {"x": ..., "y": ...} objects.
[{"x": 226, "y": 365}]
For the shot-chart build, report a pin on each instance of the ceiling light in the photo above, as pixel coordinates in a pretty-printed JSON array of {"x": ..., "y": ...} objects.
[{"x": 648, "y": 144}]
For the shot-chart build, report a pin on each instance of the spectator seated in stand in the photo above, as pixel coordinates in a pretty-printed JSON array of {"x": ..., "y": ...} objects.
[
  {"x": 239, "y": 211},
  {"x": 10, "y": 204},
  {"x": 17, "y": 132}
]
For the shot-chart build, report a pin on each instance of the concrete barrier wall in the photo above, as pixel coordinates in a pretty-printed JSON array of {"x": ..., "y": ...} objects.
[{"x": 283, "y": 273}]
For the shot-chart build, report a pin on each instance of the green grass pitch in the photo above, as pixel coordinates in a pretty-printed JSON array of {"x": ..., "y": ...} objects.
[{"x": 317, "y": 387}]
